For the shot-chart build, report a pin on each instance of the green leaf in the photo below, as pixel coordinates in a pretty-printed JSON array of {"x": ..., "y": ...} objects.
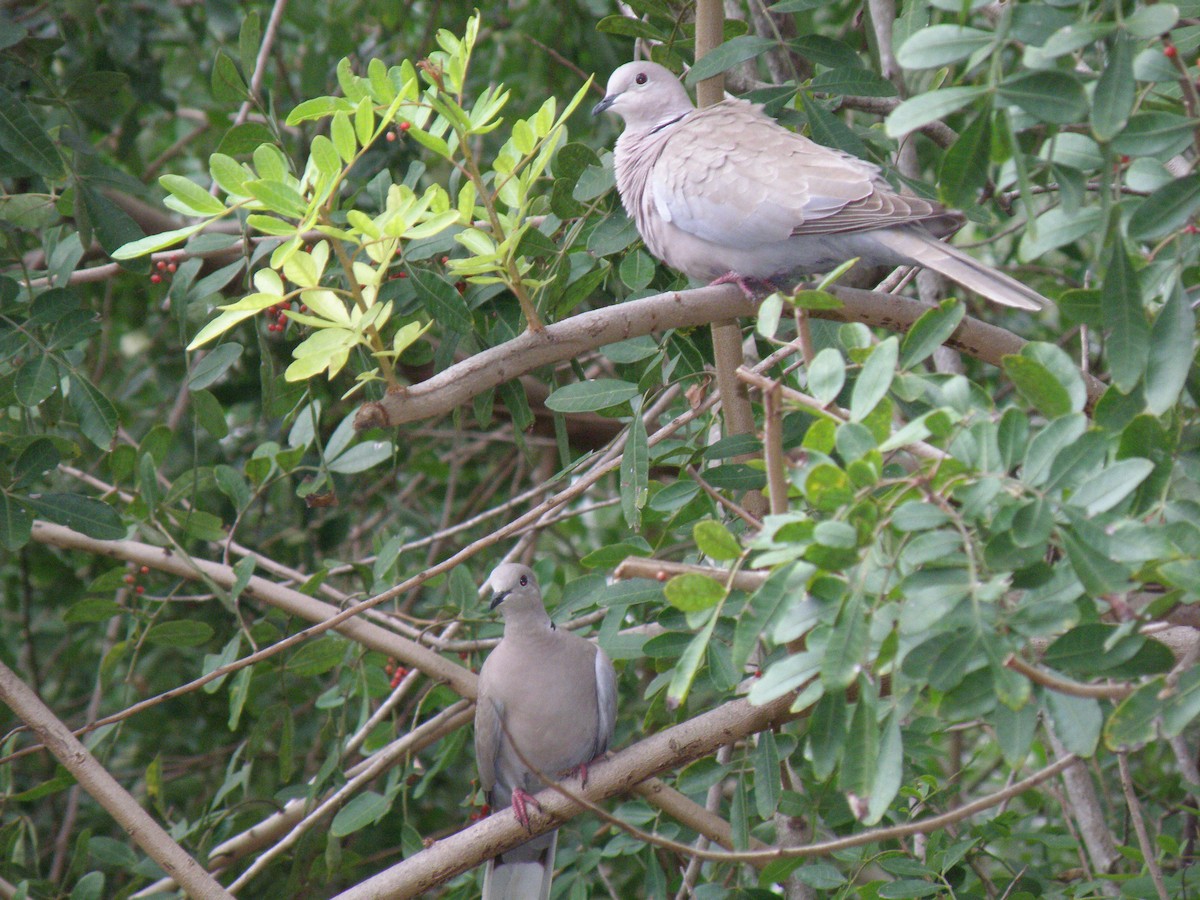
[
  {"x": 1097, "y": 572},
  {"x": 1113, "y": 99},
  {"x": 874, "y": 379},
  {"x": 210, "y": 367},
  {"x": 97, "y": 416},
  {"x": 1134, "y": 721},
  {"x": 941, "y": 45},
  {"x": 766, "y": 775},
  {"x": 155, "y": 242},
  {"x": 827, "y": 375},
  {"x": 442, "y": 301},
  {"x": 114, "y": 228},
  {"x": 930, "y": 331},
  {"x": 589, "y": 396},
  {"x": 862, "y": 744},
  {"x": 1129, "y": 336},
  {"x": 964, "y": 171},
  {"x": 83, "y": 514},
  {"x": 689, "y": 662},
  {"x": 1077, "y": 722},
  {"x": 193, "y": 199},
  {"x": 922, "y": 109},
  {"x": 35, "y": 380},
  {"x": 1037, "y": 385},
  {"x": 361, "y": 457},
  {"x": 227, "y": 83},
  {"x": 1166, "y": 210},
  {"x": 1168, "y": 366},
  {"x": 15, "y": 524},
  {"x": 847, "y": 641},
  {"x": 278, "y": 197},
  {"x": 180, "y": 633},
  {"x": 854, "y": 81},
  {"x": 1154, "y": 134},
  {"x": 1047, "y": 95},
  {"x": 629, "y": 27},
  {"x": 1107, "y": 488},
  {"x": 692, "y": 591},
  {"x": 317, "y": 656},
  {"x": 728, "y": 55},
  {"x": 1182, "y": 704},
  {"x": 635, "y": 468},
  {"x": 24, "y": 140},
  {"x": 365, "y": 809},
  {"x": 715, "y": 540}
]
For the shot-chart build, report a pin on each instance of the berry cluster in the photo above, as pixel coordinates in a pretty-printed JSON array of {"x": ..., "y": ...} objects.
[
  {"x": 164, "y": 268},
  {"x": 395, "y": 671},
  {"x": 132, "y": 579},
  {"x": 277, "y": 320},
  {"x": 400, "y": 129}
]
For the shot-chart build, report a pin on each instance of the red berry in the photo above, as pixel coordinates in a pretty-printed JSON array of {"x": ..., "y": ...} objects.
[
  {"x": 445, "y": 259},
  {"x": 460, "y": 286},
  {"x": 1170, "y": 52},
  {"x": 139, "y": 590},
  {"x": 404, "y": 126},
  {"x": 161, "y": 265},
  {"x": 145, "y": 570},
  {"x": 660, "y": 575},
  {"x": 1191, "y": 229},
  {"x": 463, "y": 655},
  {"x": 155, "y": 278},
  {"x": 171, "y": 267},
  {"x": 390, "y": 136},
  {"x": 129, "y": 579}
]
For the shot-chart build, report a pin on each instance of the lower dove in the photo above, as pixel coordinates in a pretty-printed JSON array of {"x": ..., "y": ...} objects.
[
  {"x": 727, "y": 193},
  {"x": 547, "y": 703}
]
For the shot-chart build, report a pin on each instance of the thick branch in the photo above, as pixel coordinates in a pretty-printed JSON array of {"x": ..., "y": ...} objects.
[
  {"x": 142, "y": 827},
  {"x": 668, "y": 749},
  {"x": 568, "y": 339}
]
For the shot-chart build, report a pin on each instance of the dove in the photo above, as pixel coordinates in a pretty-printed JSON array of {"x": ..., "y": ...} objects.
[
  {"x": 547, "y": 703},
  {"x": 726, "y": 193}
]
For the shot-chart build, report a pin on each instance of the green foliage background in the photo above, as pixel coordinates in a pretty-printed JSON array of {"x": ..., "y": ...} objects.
[{"x": 937, "y": 525}]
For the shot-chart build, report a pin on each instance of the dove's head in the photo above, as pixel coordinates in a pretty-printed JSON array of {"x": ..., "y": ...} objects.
[
  {"x": 645, "y": 95},
  {"x": 515, "y": 589}
]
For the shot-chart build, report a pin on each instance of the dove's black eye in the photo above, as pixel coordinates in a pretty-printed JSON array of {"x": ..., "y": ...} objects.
[
  {"x": 641, "y": 78},
  {"x": 524, "y": 581}
]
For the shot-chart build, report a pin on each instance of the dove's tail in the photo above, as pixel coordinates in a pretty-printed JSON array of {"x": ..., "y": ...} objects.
[
  {"x": 923, "y": 249},
  {"x": 523, "y": 873}
]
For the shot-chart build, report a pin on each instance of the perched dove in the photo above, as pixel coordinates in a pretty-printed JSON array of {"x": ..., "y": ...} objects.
[
  {"x": 553, "y": 695},
  {"x": 727, "y": 193}
]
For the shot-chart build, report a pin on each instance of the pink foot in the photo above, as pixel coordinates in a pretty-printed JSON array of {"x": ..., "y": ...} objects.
[
  {"x": 581, "y": 771},
  {"x": 751, "y": 287},
  {"x": 519, "y": 800}
]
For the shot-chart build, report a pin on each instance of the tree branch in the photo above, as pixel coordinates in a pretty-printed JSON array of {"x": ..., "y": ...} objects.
[
  {"x": 673, "y": 747},
  {"x": 118, "y": 802},
  {"x": 579, "y": 334}
]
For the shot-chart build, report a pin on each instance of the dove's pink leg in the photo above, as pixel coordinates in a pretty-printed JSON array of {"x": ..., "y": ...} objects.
[
  {"x": 519, "y": 800},
  {"x": 751, "y": 287}
]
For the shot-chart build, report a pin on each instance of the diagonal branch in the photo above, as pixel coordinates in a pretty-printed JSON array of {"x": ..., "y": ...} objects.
[{"x": 142, "y": 827}]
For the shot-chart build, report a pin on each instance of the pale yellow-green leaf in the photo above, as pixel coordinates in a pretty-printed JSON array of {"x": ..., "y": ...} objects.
[
  {"x": 229, "y": 174},
  {"x": 284, "y": 251},
  {"x": 364, "y": 120},
  {"x": 408, "y": 335},
  {"x": 382, "y": 88},
  {"x": 302, "y": 271},
  {"x": 326, "y": 304},
  {"x": 364, "y": 223},
  {"x": 253, "y": 302},
  {"x": 477, "y": 242},
  {"x": 219, "y": 326},
  {"x": 523, "y": 137},
  {"x": 543, "y": 119},
  {"x": 511, "y": 193},
  {"x": 325, "y": 156},
  {"x": 270, "y": 225},
  {"x": 155, "y": 242},
  {"x": 466, "y": 201},
  {"x": 365, "y": 274},
  {"x": 194, "y": 199},
  {"x": 324, "y": 342},
  {"x": 381, "y": 252},
  {"x": 432, "y": 226},
  {"x": 320, "y": 255},
  {"x": 306, "y": 368},
  {"x": 270, "y": 163},
  {"x": 269, "y": 282},
  {"x": 341, "y": 132}
]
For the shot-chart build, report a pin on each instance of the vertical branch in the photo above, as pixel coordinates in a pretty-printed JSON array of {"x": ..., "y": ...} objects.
[
  {"x": 727, "y": 334},
  {"x": 777, "y": 483},
  {"x": 1084, "y": 805},
  {"x": 1139, "y": 825}
]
